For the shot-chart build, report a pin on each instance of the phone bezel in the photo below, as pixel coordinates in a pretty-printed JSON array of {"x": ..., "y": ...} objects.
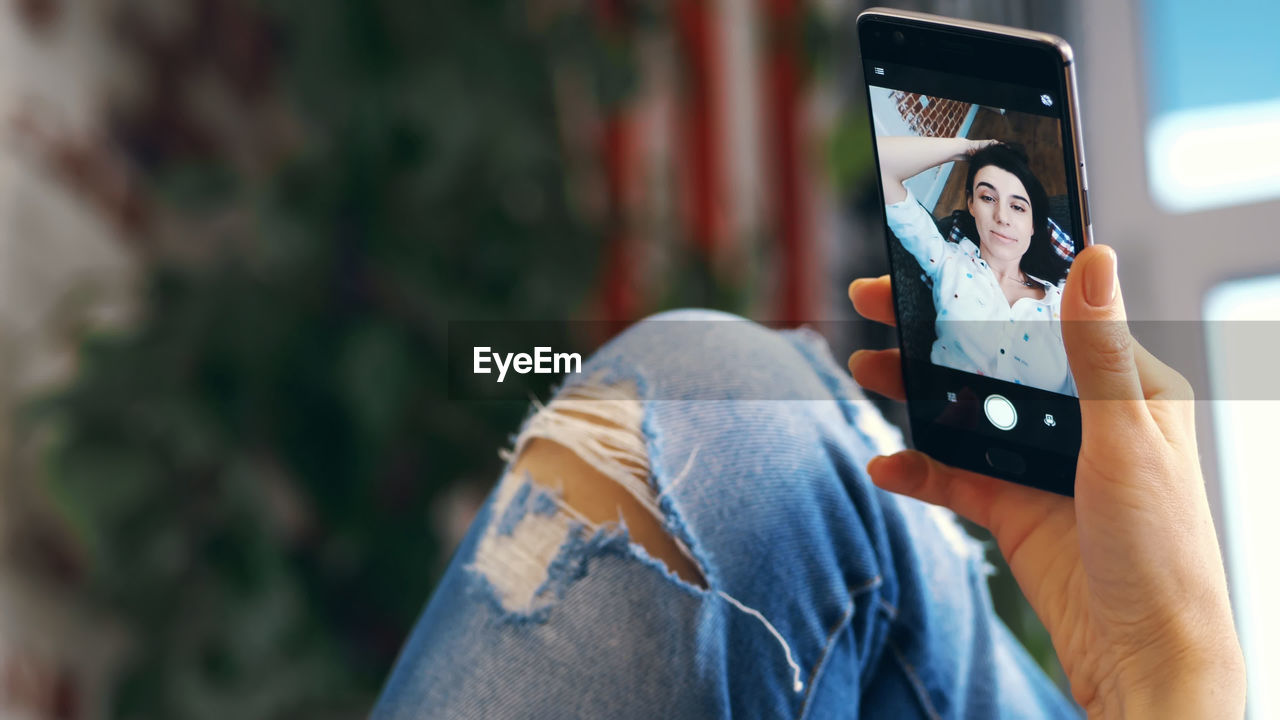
[{"x": 1006, "y": 55}]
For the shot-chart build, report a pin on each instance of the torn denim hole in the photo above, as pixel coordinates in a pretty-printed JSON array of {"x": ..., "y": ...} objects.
[
  {"x": 539, "y": 545},
  {"x": 518, "y": 547}
]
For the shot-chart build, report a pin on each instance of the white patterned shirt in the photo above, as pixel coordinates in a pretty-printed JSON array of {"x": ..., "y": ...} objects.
[{"x": 978, "y": 330}]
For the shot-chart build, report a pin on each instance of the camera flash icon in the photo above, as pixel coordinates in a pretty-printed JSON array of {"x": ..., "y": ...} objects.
[{"x": 1046, "y": 100}]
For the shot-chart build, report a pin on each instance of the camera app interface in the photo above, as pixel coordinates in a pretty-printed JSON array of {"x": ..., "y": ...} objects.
[{"x": 982, "y": 236}]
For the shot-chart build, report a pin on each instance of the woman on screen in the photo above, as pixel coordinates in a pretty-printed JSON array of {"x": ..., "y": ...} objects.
[{"x": 997, "y": 285}]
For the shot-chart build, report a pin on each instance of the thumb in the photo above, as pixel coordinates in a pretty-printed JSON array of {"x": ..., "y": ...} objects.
[{"x": 1099, "y": 346}]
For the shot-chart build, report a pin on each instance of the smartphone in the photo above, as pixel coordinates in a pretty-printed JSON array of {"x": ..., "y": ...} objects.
[{"x": 982, "y": 180}]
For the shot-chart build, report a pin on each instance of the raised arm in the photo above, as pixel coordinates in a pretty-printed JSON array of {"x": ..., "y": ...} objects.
[{"x": 905, "y": 157}]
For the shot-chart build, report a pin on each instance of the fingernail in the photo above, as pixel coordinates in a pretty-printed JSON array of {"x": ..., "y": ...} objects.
[
  {"x": 889, "y": 469},
  {"x": 878, "y": 466},
  {"x": 854, "y": 359},
  {"x": 1100, "y": 278}
]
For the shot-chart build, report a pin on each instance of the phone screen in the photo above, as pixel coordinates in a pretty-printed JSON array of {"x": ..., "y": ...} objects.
[{"x": 983, "y": 222}]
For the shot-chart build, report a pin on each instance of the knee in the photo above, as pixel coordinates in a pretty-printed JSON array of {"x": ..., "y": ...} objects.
[
  {"x": 696, "y": 354},
  {"x": 582, "y": 462}
]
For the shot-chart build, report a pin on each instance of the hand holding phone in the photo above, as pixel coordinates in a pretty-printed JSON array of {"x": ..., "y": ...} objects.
[{"x": 1127, "y": 576}]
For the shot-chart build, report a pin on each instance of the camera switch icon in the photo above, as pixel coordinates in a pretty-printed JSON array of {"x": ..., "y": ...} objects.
[{"x": 1049, "y": 421}]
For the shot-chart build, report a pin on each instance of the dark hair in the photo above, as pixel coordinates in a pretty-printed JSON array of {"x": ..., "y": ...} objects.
[{"x": 1040, "y": 259}]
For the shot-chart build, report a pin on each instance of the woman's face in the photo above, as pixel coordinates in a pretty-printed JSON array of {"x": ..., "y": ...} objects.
[{"x": 1001, "y": 209}]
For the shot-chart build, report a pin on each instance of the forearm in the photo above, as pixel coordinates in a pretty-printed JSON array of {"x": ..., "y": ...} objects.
[{"x": 905, "y": 157}]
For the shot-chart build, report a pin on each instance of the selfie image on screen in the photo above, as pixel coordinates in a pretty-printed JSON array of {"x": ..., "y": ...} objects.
[{"x": 976, "y": 201}]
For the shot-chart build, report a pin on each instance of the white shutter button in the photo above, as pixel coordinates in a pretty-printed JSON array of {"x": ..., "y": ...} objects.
[{"x": 1000, "y": 412}]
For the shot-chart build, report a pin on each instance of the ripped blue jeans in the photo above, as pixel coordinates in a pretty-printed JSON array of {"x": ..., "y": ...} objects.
[{"x": 823, "y": 596}]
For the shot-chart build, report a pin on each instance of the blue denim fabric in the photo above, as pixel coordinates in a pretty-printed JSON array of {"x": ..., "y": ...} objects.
[{"x": 827, "y": 597}]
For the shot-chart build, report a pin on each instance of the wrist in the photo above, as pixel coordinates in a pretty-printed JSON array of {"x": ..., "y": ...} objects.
[
  {"x": 1207, "y": 682},
  {"x": 965, "y": 148},
  {"x": 973, "y": 146}
]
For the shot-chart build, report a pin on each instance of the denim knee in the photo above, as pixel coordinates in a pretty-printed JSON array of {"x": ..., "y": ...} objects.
[
  {"x": 748, "y": 445},
  {"x": 694, "y": 354}
]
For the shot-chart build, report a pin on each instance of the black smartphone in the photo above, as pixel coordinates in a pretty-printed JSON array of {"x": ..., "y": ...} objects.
[{"x": 981, "y": 166}]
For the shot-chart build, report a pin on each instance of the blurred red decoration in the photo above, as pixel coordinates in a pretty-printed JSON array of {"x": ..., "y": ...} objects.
[
  {"x": 782, "y": 111},
  {"x": 701, "y": 123}
]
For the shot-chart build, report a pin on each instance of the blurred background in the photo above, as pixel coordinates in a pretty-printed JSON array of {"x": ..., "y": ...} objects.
[{"x": 233, "y": 234}]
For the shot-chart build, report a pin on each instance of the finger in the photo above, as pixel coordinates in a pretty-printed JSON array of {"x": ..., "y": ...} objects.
[
  {"x": 873, "y": 299},
  {"x": 994, "y": 504},
  {"x": 879, "y": 371},
  {"x": 1099, "y": 346},
  {"x": 1031, "y": 527}
]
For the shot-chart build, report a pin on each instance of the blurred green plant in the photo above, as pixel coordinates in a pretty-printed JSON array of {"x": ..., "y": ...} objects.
[{"x": 248, "y": 469}]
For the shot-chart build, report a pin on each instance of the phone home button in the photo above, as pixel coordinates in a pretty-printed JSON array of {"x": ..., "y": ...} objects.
[
  {"x": 1000, "y": 412},
  {"x": 1006, "y": 461}
]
